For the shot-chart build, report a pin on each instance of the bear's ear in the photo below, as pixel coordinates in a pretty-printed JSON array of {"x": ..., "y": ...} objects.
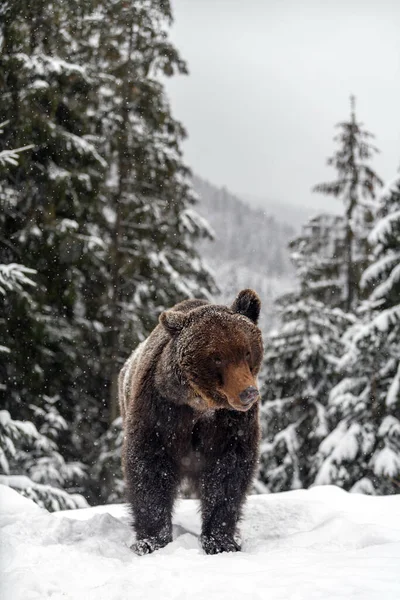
[
  {"x": 248, "y": 304},
  {"x": 173, "y": 321}
]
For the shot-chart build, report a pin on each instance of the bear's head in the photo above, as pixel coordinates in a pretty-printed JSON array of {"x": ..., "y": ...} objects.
[{"x": 219, "y": 350}]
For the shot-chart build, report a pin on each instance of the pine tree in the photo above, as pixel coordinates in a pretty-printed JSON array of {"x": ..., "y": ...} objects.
[
  {"x": 100, "y": 206},
  {"x": 48, "y": 202},
  {"x": 28, "y": 458},
  {"x": 362, "y": 453},
  {"x": 383, "y": 275},
  {"x": 151, "y": 225},
  {"x": 107, "y": 469},
  {"x": 356, "y": 186},
  {"x": 13, "y": 277},
  {"x": 317, "y": 255},
  {"x": 301, "y": 358}
]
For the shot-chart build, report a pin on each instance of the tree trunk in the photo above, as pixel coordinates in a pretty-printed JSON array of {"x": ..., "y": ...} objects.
[
  {"x": 352, "y": 284},
  {"x": 349, "y": 265},
  {"x": 115, "y": 301},
  {"x": 117, "y": 234}
]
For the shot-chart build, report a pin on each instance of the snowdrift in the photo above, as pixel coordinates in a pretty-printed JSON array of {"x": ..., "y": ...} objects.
[{"x": 320, "y": 543}]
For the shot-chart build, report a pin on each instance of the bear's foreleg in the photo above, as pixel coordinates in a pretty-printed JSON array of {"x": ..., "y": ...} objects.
[
  {"x": 224, "y": 483},
  {"x": 152, "y": 479}
]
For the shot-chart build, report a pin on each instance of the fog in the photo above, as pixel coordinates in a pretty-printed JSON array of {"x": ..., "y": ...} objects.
[{"x": 269, "y": 80}]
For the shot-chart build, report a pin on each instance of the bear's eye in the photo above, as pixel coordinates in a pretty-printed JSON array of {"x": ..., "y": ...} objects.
[
  {"x": 248, "y": 356},
  {"x": 217, "y": 360}
]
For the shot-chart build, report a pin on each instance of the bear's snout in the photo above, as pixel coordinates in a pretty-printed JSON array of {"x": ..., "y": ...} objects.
[
  {"x": 239, "y": 387},
  {"x": 248, "y": 395}
]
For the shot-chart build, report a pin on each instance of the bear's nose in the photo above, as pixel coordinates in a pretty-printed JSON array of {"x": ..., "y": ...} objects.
[{"x": 248, "y": 395}]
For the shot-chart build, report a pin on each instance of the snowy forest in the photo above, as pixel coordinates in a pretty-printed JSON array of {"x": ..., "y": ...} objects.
[{"x": 103, "y": 226}]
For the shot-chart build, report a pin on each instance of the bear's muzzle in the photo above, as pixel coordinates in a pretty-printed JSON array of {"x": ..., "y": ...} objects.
[{"x": 240, "y": 387}]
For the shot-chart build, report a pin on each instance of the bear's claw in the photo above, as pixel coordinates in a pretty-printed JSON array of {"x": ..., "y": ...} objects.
[
  {"x": 148, "y": 545},
  {"x": 215, "y": 544}
]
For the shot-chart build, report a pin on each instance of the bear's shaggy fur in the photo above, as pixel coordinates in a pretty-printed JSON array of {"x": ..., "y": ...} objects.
[{"x": 189, "y": 402}]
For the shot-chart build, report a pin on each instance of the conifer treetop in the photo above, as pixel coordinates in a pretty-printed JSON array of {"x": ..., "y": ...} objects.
[
  {"x": 356, "y": 184},
  {"x": 356, "y": 180}
]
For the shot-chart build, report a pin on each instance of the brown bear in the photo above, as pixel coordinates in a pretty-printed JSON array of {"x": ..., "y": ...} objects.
[{"x": 189, "y": 402}]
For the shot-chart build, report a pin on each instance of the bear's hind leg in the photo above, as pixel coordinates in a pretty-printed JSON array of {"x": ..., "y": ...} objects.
[{"x": 152, "y": 481}]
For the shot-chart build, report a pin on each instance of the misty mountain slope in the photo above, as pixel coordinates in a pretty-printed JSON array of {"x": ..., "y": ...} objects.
[
  {"x": 291, "y": 214},
  {"x": 249, "y": 250}
]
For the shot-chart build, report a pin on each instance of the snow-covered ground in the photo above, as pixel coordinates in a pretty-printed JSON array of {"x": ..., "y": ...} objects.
[{"x": 321, "y": 543}]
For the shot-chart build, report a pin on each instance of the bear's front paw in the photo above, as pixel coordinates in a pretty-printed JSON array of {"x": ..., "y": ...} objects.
[
  {"x": 148, "y": 545},
  {"x": 217, "y": 543}
]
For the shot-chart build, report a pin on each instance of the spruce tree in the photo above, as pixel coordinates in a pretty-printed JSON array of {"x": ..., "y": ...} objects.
[
  {"x": 301, "y": 358},
  {"x": 356, "y": 186},
  {"x": 14, "y": 277},
  {"x": 30, "y": 461},
  {"x": 101, "y": 206},
  {"x": 31, "y": 464},
  {"x": 151, "y": 226},
  {"x": 362, "y": 453},
  {"x": 48, "y": 203}
]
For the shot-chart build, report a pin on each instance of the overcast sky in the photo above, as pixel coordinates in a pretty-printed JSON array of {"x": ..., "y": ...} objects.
[{"x": 270, "y": 78}]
